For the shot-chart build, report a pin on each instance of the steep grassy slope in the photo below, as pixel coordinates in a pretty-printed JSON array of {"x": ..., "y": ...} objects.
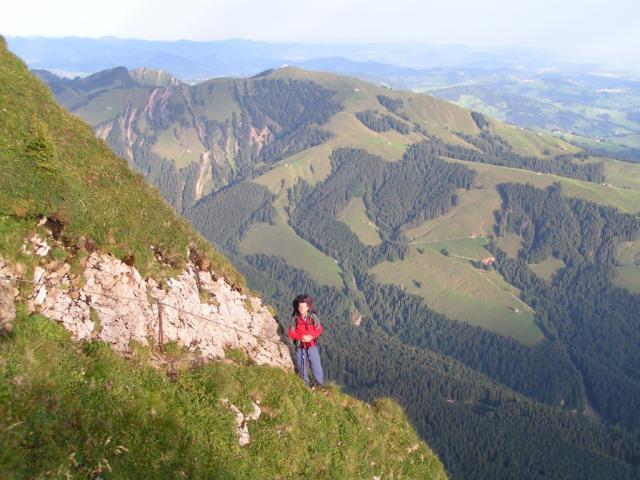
[
  {"x": 53, "y": 168},
  {"x": 479, "y": 428},
  {"x": 279, "y": 239},
  {"x": 355, "y": 217},
  {"x": 78, "y": 410},
  {"x": 452, "y": 286}
]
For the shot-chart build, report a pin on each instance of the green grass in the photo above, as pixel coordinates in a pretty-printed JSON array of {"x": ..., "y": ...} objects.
[
  {"x": 282, "y": 241},
  {"x": 71, "y": 410},
  {"x": 547, "y": 268},
  {"x": 628, "y": 276},
  {"x": 622, "y": 174},
  {"x": 314, "y": 164},
  {"x": 106, "y": 106},
  {"x": 628, "y": 252},
  {"x": 354, "y": 215},
  {"x": 472, "y": 216},
  {"x": 179, "y": 144},
  {"x": 452, "y": 286},
  {"x": 624, "y": 199},
  {"x": 53, "y": 166},
  {"x": 628, "y": 264},
  {"x": 221, "y": 104},
  {"x": 351, "y": 133},
  {"x": 474, "y": 213},
  {"x": 530, "y": 142},
  {"x": 465, "y": 247},
  {"x": 510, "y": 243}
]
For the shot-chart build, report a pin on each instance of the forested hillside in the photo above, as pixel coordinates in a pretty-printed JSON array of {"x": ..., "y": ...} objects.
[
  {"x": 78, "y": 409},
  {"x": 178, "y": 136},
  {"x": 481, "y": 274},
  {"x": 596, "y": 321},
  {"x": 397, "y": 334}
]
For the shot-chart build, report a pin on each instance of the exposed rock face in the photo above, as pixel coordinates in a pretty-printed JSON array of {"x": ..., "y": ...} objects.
[
  {"x": 216, "y": 144},
  {"x": 103, "y": 130},
  {"x": 154, "y": 77},
  {"x": 242, "y": 420},
  {"x": 35, "y": 245},
  {"x": 7, "y": 295},
  {"x": 118, "y": 306},
  {"x": 205, "y": 174}
]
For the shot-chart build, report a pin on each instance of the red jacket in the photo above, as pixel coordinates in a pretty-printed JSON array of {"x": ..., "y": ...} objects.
[{"x": 309, "y": 325}]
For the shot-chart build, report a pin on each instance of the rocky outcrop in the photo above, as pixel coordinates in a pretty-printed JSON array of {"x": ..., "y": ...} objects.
[
  {"x": 219, "y": 150},
  {"x": 154, "y": 77},
  {"x": 103, "y": 130},
  {"x": 116, "y": 305},
  {"x": 260, "y": 137},
  {"x": 205, "y": 176},
  {"x": 7, "y": 294},
  {"x": 242, "y": 420}
]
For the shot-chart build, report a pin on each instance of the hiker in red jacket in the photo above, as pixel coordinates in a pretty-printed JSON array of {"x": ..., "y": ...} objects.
[{"x": 304, "y": 331}]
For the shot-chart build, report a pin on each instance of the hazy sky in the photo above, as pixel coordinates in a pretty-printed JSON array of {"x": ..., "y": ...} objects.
[{"x": 590, "y": 30}]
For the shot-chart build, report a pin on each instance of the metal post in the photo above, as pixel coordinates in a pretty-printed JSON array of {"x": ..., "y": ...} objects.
[{"x": 160, "y": 332}]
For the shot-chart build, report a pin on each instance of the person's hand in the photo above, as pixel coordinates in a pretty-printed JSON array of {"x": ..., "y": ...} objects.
[{"x": 307, "y": 338}]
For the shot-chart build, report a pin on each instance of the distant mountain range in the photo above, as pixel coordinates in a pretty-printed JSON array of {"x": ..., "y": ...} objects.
[
  {"x": 191, "y": 60},
  {"x": 584, "y": 104},
  {"x": 485, "y": 275}
]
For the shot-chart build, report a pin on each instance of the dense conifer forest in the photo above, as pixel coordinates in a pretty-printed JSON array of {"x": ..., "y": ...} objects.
[
  {"x": 468, "y": 391},
  {"x": 492, "y": 407},
  {"x": 379, "y": 122},
  {"x": 596, "y": 321}
]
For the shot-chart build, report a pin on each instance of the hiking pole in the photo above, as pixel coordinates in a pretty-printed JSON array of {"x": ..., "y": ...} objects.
[
  {"x": 302, "y": 360},
  {"x": 306, "y": 351}
]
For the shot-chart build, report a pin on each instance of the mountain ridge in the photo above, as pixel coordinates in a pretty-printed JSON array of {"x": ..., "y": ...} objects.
[
  {"x": 70, "y": 212},
  {"x": 585, "y": 104},
  {"x": 279, "y": 222}
]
